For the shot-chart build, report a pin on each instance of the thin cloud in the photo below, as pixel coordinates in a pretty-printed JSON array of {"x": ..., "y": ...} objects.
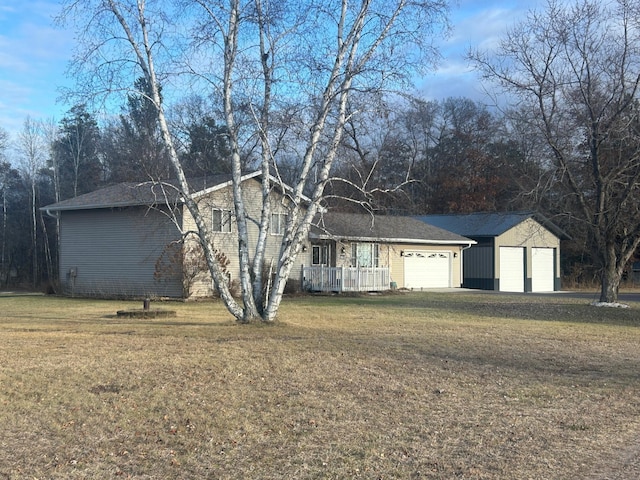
[
  {"x": 33, "y": 58},
  {"x": 476, "y": 25}
]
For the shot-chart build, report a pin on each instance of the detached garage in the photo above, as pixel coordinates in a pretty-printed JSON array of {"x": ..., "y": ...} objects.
[{"x": 515, "y": 252}]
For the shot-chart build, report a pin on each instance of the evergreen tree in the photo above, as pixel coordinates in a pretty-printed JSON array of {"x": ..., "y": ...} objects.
[
  {"x": 133, "y": 147},
  {"x": 208, "y": 149}
]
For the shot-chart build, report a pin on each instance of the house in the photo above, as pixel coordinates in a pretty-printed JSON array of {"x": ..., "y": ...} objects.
[
  {"x": 515, "y": 252},
  {"x": 127, "y": 240},
  {"x": 399, "y": 251}
]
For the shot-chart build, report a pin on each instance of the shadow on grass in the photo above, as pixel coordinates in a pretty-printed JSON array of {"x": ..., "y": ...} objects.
[
  {"x": 541, "y": 310},
  {"x": 556, "y": 359},
  {"x": 552, "y": 308}
]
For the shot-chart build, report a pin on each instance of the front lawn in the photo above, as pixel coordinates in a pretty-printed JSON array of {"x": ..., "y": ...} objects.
[{"x": 418, "y": 385}]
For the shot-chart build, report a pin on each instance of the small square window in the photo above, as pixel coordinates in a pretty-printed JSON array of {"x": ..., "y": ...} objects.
[
  {"x": 221, "y": 220},
  {"x": 278, "y": 223}
]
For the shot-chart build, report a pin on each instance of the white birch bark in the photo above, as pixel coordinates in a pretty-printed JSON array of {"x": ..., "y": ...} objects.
[
  {"x": 31, "y": 150},
  {"x": 347, "y": 63},
  {"x": 145, "y": 57},
  {"x": 256, "y": 42}
]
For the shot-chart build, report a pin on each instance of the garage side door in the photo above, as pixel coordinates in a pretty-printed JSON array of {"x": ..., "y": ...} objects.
[
  {"x": 542, "y": 277},
  {"x": 427, "y": 269},
  {"x": 511, "y": 269}
]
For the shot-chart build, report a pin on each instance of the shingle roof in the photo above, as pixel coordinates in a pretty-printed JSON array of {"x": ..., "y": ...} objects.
[
  {"x": 487, "y": 224},
  {"x": 134, "y": 194},
  {"x": 366, "y": 227}
]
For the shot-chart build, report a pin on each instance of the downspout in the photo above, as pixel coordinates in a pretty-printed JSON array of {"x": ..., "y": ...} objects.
[
  {"x": 52, "y": 215},
  {"x": 461, "y": 263}
]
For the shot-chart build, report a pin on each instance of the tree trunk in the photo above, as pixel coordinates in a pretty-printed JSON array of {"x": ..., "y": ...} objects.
[
  {"x": 34, "y": 232},
  {"x": 611, "y": 277},
  {"x": 610, "y": 286},
  {"x": 250, "y": 310},
  {"x": 4, "y": 269},
  {"x": 51, "y": 275}
]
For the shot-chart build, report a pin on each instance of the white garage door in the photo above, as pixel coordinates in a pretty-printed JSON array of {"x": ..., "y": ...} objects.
[
  {"x": 542, "y": 270},
  {"x": 511, "y": 269},
  {"x": 427, "y": 269}
]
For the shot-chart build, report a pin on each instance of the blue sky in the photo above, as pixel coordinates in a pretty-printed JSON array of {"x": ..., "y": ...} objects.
[
  {"x": 34, "y": 55},
  {"x": 33, "y": 58}
]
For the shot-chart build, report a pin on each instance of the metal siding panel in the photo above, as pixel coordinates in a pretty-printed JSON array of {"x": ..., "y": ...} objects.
[
  {"x": 478, "y": 262},
  {"x": 478, "y": 267}
]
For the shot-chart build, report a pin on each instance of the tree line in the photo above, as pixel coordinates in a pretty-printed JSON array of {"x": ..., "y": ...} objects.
[{"x": 406, "y": 156}]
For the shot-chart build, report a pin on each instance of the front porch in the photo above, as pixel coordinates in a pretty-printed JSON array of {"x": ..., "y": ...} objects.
[{"x": 346, "y": 279}]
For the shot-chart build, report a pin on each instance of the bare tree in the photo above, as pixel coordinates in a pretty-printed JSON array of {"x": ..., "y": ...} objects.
[
  {"x": 375, "y": 161},
  {"x": 32, "y": 152},
  {"x": 575, "y": 71},
  {"x": 4, "y": 143},
  {"x": 49, "y": 132},
  {"x": 4, "y": 168},
  {"x": 80, "y": 169},
  {"x": 254, "y": 54}
]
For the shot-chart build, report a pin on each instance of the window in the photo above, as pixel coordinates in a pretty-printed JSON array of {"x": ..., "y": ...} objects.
[
  {"x": 320, "y": 255},
  {"x": 365, "y": 254},
  {"x": 278, "y": 223},
  {"x": 221, "y": 220}
]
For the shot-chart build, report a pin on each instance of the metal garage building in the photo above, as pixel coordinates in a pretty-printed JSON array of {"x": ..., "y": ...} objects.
[{"x": 515, "y": 252}]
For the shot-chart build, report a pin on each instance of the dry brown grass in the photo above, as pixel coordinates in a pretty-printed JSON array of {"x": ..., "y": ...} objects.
[{"x": 422, "y": 385}]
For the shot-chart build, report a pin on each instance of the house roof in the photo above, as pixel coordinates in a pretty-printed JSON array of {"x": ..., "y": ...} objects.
[
  {"x": 488, "y": 224},
  {"x": 367, "y": 227},
  {"x": 134, "y": 194},
  {"x": 150, "y": 193}
]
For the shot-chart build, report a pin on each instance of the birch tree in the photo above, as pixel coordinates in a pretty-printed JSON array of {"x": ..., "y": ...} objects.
[
  {"x": 78, "y": 162},
  {"x": 575, "y": 72},
  {"x": 32, "y": 153},
  {"x": 260, "y": 54},
  {"x": 5, "y": 171}
]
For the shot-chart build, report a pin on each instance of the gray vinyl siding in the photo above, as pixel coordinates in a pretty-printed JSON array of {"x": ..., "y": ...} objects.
[{"x": 113, "y": 252}]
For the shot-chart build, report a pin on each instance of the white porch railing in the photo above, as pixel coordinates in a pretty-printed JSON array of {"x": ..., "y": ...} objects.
[{"x": 346, "y": 279}]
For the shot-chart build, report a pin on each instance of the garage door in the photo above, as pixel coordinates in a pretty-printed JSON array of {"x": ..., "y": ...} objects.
[
  {"x": 427, "y": 269},
  {"x": 511, "y": 269},
  {"x": 542, "y": 278}
]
